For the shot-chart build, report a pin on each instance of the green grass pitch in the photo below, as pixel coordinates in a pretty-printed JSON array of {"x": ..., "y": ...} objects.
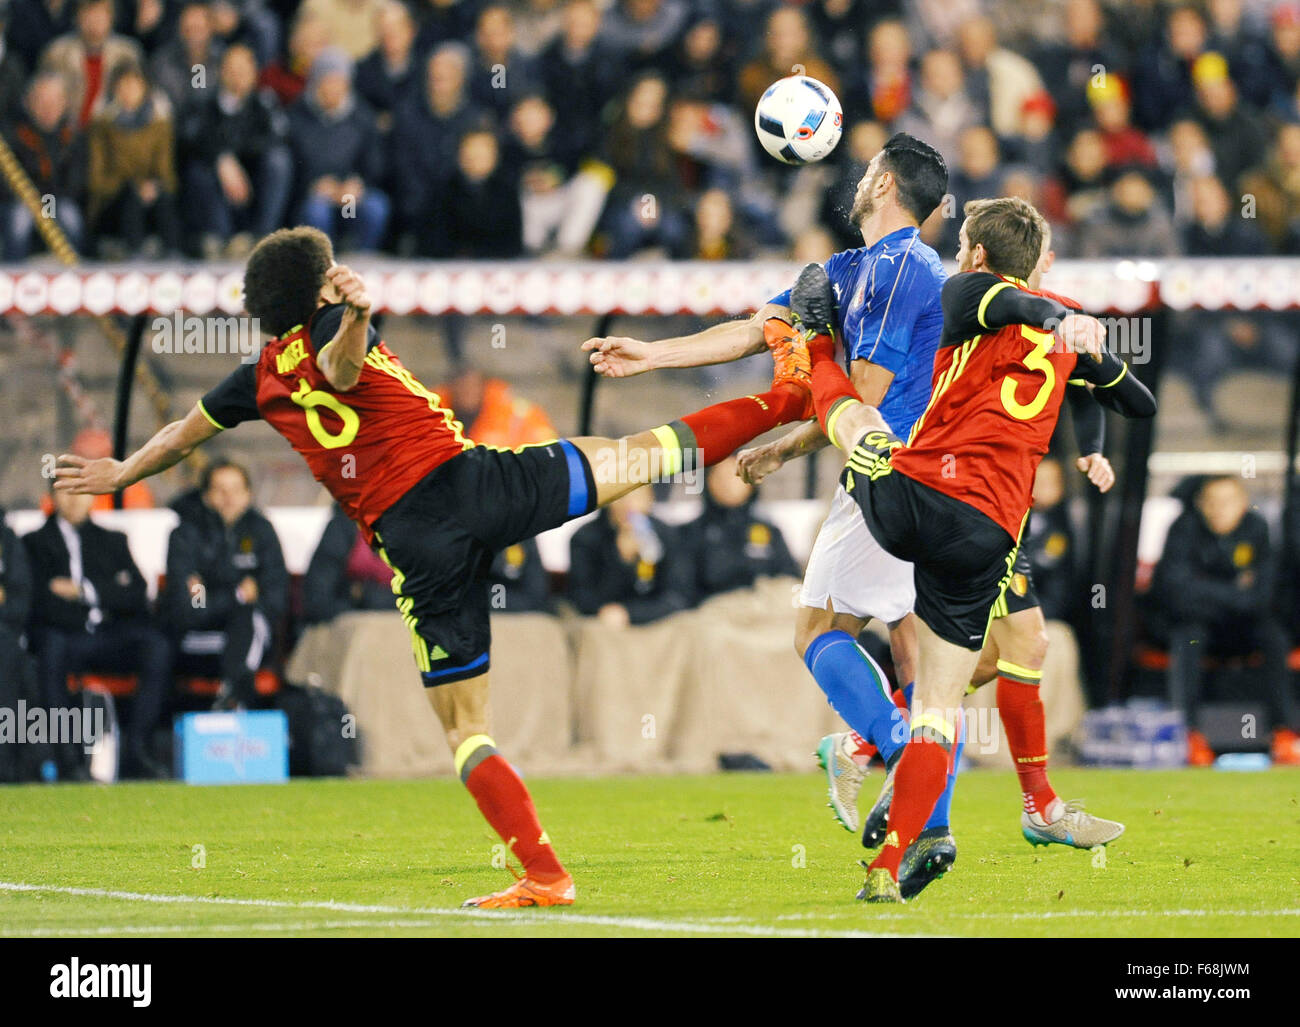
[{"x": 1205, "y": 854}]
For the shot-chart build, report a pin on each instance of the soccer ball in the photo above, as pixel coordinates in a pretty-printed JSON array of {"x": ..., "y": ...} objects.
[{"x": 798, "y": 120}]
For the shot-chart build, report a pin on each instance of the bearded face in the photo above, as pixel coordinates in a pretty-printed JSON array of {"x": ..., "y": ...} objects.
[{"x": 864, "y": 204}]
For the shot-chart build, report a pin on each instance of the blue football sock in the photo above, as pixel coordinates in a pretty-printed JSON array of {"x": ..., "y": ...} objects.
[
  {"x": 943, "y": 808},
  {"x": 858, "y": 690}
]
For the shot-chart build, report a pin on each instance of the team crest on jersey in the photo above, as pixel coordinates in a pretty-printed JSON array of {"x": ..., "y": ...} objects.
[{"x": 1019, "y": 584}]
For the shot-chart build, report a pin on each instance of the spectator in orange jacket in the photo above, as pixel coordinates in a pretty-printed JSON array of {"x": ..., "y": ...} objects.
[{"x": 492, "y": 414}]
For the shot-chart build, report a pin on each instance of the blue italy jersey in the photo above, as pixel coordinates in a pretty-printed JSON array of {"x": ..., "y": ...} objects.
[{"x": 890, "y": 315}]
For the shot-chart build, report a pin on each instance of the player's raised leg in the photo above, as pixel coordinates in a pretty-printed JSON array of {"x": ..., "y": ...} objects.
[{"x": 709, "y": 435}]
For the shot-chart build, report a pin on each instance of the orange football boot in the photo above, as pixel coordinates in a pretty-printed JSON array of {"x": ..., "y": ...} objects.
[
  {"x": 791, "y": 362},
  {"x": 527, "y": 892}
]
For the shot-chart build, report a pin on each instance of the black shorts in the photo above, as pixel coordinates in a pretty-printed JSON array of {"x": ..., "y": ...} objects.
[
  {"x": 961, "y": 557},
  {"x": 1020, "y": 594},
  {"x": 441, "y": 537}
]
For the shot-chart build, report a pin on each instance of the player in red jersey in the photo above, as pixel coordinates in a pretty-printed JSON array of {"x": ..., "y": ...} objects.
[
  {"x": 436, "y": 507},
  {"x": 953, "y": 500}
]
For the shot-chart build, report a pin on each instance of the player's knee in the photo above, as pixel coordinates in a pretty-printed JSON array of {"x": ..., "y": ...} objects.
[
  {"x": 808, "y": 626},
  {"x": 1036, "y": 647}
]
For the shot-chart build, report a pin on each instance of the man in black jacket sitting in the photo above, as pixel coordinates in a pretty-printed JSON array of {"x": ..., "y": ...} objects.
[
  {"x": 227, "y": 587},
  {"x": 90, "y": 611},
  {"x": 15, "y": 605}
]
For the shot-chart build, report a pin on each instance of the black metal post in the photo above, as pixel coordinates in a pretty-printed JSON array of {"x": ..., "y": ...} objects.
[
  {"x": 587, "y": 400},
  {"x": 125, "y": 387}
]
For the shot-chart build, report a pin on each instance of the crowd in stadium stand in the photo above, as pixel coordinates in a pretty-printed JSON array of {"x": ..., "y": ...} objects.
[{"x": 483, "y": 129}]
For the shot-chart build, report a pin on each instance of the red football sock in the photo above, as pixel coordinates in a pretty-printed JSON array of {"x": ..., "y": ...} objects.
[
  {"x": 719, "y": 430},
  {"x": 506, "y": 805},
  {"x": 1025, "y": 724},
  {"x": 920, "y": 779},
  {"x": 830, "y": 388}
]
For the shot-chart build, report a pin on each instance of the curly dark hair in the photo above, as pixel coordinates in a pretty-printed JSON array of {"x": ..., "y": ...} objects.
[{"x": 284, "y": 275}]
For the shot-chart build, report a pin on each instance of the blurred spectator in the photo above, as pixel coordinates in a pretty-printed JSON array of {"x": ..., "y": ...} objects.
[
  {"x": 183, "y": 66},
  {"x": 627, "y": 567},
  {"x": 132, "y": 178},
  {"x": 1217, "y": 229},
  {"x": 1049, "y": 542},
  {"x": 91, "y": 57},
  {"x": 1083, "y": 178},
  {"x": 1067, "y": 68},
  {"x": 645, "y": 204},
  {"x": 1246, "y": 48},
  {"x": 731, "y": 547},
  {"x": 842, "y": 25},
  {"x": 537, "y": 24},
  {"x": 1212, "y": 594},
  {"x": 501, "y": 73},
  {"x": 1237, "y": 134},
  {"x": 13, "y": 73},
  {"x": 580, "y": 71},
  {"x": 90, "y": 611},
  {"x": 481, "y": 210},
  {"x": 32, "y": 25},
  {"x": 1276, "y": 187},
  {"x": 517, "y": 581},
  {"x": 491, "y": 412},
  {"x": 1189, "y": 159},
  {"x": 237, "y": 172},
  {"x": 287, "y": 78},
  {"x": 227, "y": 587},
  {"x": 52, "y": 152},
  {"x": 250, "y": 23},
  {"x": 976, "y": 174},
  {"x": 997, "y": 80},
  {"x": 1284, "y": 56},
  {"x": 703, "y": 65},
  {"x": 561, "y": 202},
  {"x": 1133, "y": 222},
  {"x": 339, "y": 156},
  {"x": 344, "y": 574},
  {"x": 442, "y": 21},
  {"x": 389, "y": 75},
  {"x": 1034, "y": 141},
  {"x": 1125, "y": 144},
  {"x": 645, "y": 31},
  {"x": 815, "y": 245},
  {"x": 787, "y": 44},
  {"x": 941, "y": 107},
  {"x": 886, "y": 90},
  {"x": 1162, "y": 77},
  {"x": 351, "y": 25},
  {"x": 716, "y": 145},
  {"x": 426, "y": 138},
  {"x": 15, "y": 607},
  {"x": 715, "y": 235}
]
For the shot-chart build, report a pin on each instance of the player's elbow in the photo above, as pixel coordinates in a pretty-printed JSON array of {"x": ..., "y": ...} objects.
[{"x": 342, "y": 379}]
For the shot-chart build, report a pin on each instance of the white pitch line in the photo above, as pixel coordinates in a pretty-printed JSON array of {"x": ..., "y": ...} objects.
[
  {"x": 1065, "y": 914},
  {"x": 482, "y": 917}
]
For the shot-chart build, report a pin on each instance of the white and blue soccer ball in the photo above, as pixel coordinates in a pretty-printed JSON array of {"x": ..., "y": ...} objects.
[{"x": 798, "y": 120}]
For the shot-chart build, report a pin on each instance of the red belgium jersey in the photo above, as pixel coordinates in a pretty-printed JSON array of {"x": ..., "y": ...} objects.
[
  {"x": 368, "y": 446},
  {"x": 994, "y": 404}
]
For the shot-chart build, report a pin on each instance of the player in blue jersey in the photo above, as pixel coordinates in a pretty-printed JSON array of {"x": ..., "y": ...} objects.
[{"x": 891, "y": 321}]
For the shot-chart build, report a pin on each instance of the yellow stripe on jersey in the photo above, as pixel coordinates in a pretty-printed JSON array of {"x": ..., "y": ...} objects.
[
  {"x": 960, "y": 356},
  {"x": 1118, "y": 378},
  {"x": 988, "y": 296},
  {"x": 211, "y": 420},
  {"x": 381, "y": 362}
]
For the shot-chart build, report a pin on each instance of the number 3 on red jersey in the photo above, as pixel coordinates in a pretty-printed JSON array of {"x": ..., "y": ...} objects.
[{"x": 1035, "y": 360}]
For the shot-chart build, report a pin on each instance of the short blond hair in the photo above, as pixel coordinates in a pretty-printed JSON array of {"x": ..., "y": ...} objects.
[{"x": 1010, "y": 230}]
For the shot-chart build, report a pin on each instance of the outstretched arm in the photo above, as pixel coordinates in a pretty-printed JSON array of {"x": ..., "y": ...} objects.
[
  {"x": 618, "y": 357},
  {"x": 172, "y": 444},
  {"x": 342, "y": 358}
]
